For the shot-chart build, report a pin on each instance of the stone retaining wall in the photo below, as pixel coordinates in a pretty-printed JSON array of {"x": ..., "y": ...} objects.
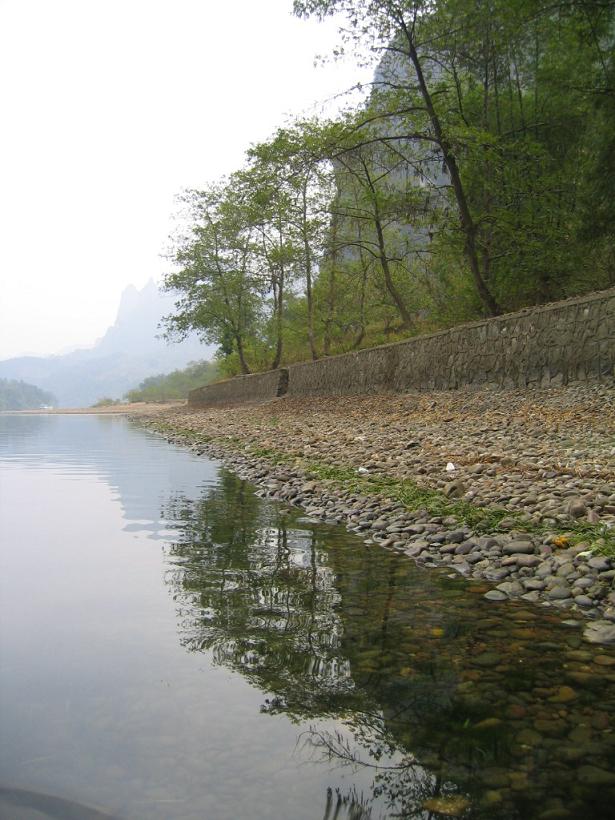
[
  {"x": 554, "y": 344},
  {"x": 257, "y": 387}
]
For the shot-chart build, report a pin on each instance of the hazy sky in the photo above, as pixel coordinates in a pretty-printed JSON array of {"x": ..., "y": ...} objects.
[{"x": 110, "y": 108}]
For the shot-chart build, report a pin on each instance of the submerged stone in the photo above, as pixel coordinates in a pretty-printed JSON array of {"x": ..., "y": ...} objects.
[{"x": 453, "y": 806}]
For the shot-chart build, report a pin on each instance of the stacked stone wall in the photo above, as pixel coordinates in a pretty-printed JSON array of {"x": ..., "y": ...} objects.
[
  {"x": 257, "y": 387},
  {"x": 554, "y": 344}
]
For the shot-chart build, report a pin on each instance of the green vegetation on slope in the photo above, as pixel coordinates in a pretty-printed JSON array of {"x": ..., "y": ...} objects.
[
  {"x": 175, "y": 385},
  {"x": 474, "y": 179},
  {"x": 18, "y": 395}
]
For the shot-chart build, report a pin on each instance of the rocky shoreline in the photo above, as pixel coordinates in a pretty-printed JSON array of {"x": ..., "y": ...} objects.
[{"x": 515, "y": 489}]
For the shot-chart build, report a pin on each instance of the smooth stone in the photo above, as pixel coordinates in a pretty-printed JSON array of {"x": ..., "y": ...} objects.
[
  {"x": 527, "y": 560},
  {"x": 516, "y": 711},
  {"x": 544, "y": 569},
  {"x": 559, "y": 593},
  {"x": 464, "y": 549},
  {"x": 533, "y": 596},
  {"x": 496, "y": 778},
  {"x": 495, "y": 595},
  {"x": 599, "y": 563},
  {"x": 455, "y": 489},
  {"x": 512, "y": 547},
  {"x": 450, "y": 806},
  {"x": 583, "y": 583},
  {"x": 604, "y": 660},
  {"x": 565, "y": 694},
  {"x": 594, "y": 776},
  {"x": 510, "y": 588},
  {"x": 533, "y": 583},
  {"x": 599, "y": 632},
  {"x": 581, "y": 655},
  {"x": 576, "y": 508},
  {"x": 488, "y": 723},
  {"x": 491, "y": 797},
  {"x": 487, "y": 659},
  {"x": 528, "y": 737}
]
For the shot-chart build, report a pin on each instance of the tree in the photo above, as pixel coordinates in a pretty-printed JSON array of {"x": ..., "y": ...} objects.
[
  {"x": 409, "y": 89},
  {"x": 295, "y": 161},
  {"x": 215, "y": 276},
  {"x": 503, "y": 95}
]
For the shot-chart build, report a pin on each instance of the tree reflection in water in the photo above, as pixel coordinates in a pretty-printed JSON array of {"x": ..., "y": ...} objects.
[{"x": 407, "y": 662}]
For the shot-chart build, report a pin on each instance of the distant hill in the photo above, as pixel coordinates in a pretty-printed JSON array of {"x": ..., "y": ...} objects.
[
  {"x": 128, "y": 353},
  {"x": 18, "y": 395},
  {"x": 175, "y": 385}
]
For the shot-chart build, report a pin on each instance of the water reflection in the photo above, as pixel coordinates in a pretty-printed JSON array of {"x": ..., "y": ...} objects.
[
  {"x": 444, "y": 704},
  {"x": 141, "y": 468},
  {"x": 461, "y": 706}
]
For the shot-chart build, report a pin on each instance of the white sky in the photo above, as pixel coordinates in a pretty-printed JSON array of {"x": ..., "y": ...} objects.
[{"x": 109, "y": 108}]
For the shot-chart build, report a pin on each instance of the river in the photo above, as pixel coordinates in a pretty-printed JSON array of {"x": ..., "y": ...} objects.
[{"x": 174, "y": 647}]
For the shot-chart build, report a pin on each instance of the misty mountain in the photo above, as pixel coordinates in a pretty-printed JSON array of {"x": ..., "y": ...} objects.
[{"x": 128, "y": 353}]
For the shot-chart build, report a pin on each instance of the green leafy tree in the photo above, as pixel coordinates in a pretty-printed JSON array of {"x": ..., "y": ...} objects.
[
  {"x": 175, "y": 385},
  {"x": 218, "y": 286}
]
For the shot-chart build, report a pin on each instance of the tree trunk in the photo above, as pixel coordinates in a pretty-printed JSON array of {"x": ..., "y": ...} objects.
[
  {"x": 278, "y": 301},
  {"x": 240, "y": 352},
  {"x": 407, "y": 322},
  {"x": 468, "y": 226},
  {"x": 364, "y": 268},
  {"x": 308, "y": 278}
]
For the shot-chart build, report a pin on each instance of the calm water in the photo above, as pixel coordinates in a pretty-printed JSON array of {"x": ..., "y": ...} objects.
[{"x": 174, "y": 648}]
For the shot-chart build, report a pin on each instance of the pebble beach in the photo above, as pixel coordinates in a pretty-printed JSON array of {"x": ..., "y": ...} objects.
[{"x": 515, "y": 489}]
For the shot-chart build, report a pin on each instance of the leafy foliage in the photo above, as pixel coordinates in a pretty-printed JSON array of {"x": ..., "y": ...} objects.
[
  {"x": 175, "y": 385},
  {"x": 475, "y": 178}
]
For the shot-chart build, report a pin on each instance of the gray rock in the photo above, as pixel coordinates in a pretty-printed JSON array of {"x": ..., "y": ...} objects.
[
  {"x": 576, "y": 508},
  {"x": 532, "y": 596},
  {"x": 594, "y": 776},
  {"x": 454, "y": 489},
  {"x": 533, "y": 584},
  {"x": 497, "y": 595},
  {"x": 599, "y": 632},
  {"x": 497, "y": 573},
  {"x": 465, "y": 548},
  {"x": 510, "y": 588},
  {"x": 559, "y": 593},
  {"x": 544, "y": 569},
  {"x": 512, "y": 547},
  {"x": 565, "y": 569},
  {"x": 609, "y": 613},
  {"x": 600, "y": 563},
  {"x": 527, "y": 560}
]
